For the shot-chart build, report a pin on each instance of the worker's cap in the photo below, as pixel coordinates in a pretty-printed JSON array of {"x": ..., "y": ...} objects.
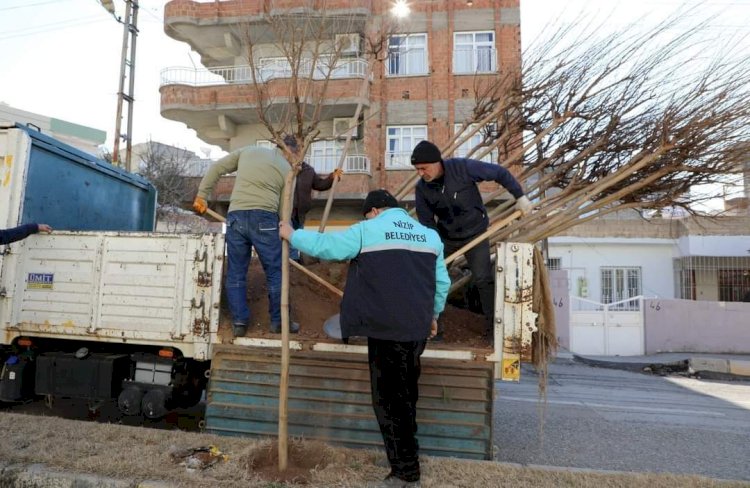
[
  {"x": 291, "y": 142},
  {"x": 378, "y": 199},
  {"x": 425, "y": 152}
]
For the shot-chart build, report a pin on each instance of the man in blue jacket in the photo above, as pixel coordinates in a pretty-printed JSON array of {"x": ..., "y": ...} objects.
[
  {"x": 396, "y": 287},
  {"x": 448, "y": 200},
  {"x": 22, "y": 232}
]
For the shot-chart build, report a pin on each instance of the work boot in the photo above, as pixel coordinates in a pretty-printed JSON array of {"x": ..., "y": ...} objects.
[
  {"x": 239, "y": 329},
  {"x": 276, "y": 328}
]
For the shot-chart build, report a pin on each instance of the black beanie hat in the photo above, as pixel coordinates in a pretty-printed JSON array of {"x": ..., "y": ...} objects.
[
  {"x": 425, "y": 152},
  {"x": 378, "y": 199}
]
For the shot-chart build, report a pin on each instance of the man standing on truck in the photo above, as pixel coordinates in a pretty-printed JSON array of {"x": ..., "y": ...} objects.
[
  {"x": 307, "y": 181},
  {"x": 252, "y": 222},
  {"x": 448, "y": 200},
  {"x": 396, "y": 287},
  {"x": 22, "y": 232}
]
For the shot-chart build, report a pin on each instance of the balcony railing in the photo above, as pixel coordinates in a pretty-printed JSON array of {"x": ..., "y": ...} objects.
[
  {"x": 267, "y": 69},
  {"x": 353, "y": 164}
]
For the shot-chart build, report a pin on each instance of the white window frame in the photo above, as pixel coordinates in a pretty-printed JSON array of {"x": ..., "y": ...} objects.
[
  {"x": 620, "y": 283},
  {"x": 474, "y": 141},
  {"x": 399, "y": 143},
  {"x": 472, "y": 56},
  {"x": 325, "y": 155},
  {"x": 406, "y": 55}
]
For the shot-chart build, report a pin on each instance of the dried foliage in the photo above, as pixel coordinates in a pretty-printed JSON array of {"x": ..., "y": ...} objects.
[{"x": 606, "y": 121}]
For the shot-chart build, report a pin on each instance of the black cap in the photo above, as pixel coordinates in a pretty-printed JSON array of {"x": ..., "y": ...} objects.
[
  {"x": 378, "y": 199},
  {"x": 425, "y": 152}
]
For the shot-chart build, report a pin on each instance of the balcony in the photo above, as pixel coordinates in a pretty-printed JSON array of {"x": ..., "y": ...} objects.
[
  {"x": 398, "y": 160},
  {"x": 268, "y": 69},
  {"x": 215, "y": 101},
  {"x": 354, "y": 164},
  {"x": 212, "y": 28}
]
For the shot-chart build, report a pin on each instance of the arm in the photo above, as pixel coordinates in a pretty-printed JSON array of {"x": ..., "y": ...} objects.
[
  {"x": 442, "y": 283},
  {"x": 479, "y": 171},
  {"x": 225, "y": 165},
  {"x": 322, "y": 184},
  {"x": 17, "y": 233},
  {"x": 425, "y": 214},
  {"x": 334, "y": 246}
]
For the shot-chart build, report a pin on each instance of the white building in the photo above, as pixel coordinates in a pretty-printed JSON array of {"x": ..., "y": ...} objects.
[
  {"x": 86, "y": 139},
  {"x": 693, "y": 258}
]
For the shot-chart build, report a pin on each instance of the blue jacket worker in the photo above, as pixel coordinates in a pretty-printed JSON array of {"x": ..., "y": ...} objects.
[
  {"x": 448, "y": 200},
  {"x": 396, "y": 287},
  {"x": 22, "y": 232}
]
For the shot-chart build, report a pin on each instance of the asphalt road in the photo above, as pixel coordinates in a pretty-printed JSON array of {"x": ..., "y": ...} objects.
[{"x": 617, "y": 420}]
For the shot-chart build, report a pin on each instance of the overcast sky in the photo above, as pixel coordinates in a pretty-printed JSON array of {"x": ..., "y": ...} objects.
[{"x": 61, "y": 58}]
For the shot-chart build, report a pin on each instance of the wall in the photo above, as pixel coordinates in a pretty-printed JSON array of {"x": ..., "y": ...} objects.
[
  {"x": 584, "y": 257},
  {"x": 689, "y": 326},
  {"x": 561, "y": 299}
]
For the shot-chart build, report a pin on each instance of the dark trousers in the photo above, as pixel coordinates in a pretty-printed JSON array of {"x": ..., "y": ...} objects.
[
  {"x": 394, "y": 377},
  {"x": 482, "y": 273}
]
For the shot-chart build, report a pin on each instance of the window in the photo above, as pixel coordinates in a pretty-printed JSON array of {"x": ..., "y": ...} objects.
[
  {"x": 474, "y": 52},
  {"x": 620, "y": 285},
  {"x": 407, "y": 55},
  {"x": 400, "y": 140},
  {"x": 324, "y": 156},
  {"x": 464, "y": 149},
  {"x": 554, "y": 263}
]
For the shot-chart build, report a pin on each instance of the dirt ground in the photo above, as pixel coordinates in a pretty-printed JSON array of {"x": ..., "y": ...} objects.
[
  {"x": 138, "y": 454},
  {"x": 312, "y": 304}
]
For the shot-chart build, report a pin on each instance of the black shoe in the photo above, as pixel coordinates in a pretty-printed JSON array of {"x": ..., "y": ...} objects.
[
  {"x": 394, "y": 481},
  {"x": 276, "y": 328},
  {"x": 239, "y": 329}
]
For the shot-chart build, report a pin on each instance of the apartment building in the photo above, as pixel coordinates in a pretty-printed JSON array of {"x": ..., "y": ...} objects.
[{"x": 423, "y": 88}]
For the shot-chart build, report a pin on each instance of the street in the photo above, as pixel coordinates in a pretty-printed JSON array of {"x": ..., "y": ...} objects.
[{"x": 599, "y": 418}]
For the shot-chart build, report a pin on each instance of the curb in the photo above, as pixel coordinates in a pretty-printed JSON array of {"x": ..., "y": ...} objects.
[
  {"x": 40, "y": 476},
  {"x": 703, "y": 366},
  {"x": 638, "y": 367},
  {"x": 722, "y": 369}
]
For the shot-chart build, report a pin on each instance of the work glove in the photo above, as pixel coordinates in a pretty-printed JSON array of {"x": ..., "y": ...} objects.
[
  {"x": 524, "y": 205},
  {"x": 200, "y": 205},
  {"x": 337, "y": 173}
]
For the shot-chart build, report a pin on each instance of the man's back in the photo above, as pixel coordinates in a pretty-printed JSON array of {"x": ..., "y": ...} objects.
[{"x": 259, "y": 182}]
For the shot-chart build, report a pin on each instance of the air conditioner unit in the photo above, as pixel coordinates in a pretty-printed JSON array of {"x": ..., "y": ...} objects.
[
  {"x": 342, "y": 127},
  {"x": 347, "y": 44}
]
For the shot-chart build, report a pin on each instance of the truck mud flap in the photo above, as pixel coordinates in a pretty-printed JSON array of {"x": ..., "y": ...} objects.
[{"x": 329, "y": 400}]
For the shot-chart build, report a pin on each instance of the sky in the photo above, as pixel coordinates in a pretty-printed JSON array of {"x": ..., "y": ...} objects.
[{"x": 61, "y": 58}]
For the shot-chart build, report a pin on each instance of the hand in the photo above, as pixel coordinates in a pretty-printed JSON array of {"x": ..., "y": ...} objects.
[
  {"x": 433, "y": 328},
  {"x": 200, "y": 205},
  {"x": 44, "y": 228},
  {"x": 524, "y": 205},
  {"x": 285, "y": 230},
  {"x": 337, "y": 173}
]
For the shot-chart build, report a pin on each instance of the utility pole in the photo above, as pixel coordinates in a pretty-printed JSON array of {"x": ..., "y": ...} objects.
[{"x": 127, "y": 70}]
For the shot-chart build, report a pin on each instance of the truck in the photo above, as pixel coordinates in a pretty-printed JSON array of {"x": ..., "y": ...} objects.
[{"x": 134, "y": 316}]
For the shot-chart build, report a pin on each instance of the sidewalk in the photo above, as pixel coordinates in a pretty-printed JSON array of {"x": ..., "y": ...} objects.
[{"x": 706, "y": 365}]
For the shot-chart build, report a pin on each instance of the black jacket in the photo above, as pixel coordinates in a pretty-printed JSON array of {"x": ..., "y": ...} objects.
[
  {"x": 453, "y": 205},
  {"x": 307, "y": 181}
]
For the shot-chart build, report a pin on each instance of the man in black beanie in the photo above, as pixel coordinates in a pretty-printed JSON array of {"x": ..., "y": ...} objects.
[{"x": 448, "y": 200}]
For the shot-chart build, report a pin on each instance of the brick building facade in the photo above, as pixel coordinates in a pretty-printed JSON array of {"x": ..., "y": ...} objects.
[{"x": 437, "y": 55}]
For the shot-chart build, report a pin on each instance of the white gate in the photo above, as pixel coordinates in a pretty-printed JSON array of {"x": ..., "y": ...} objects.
[{"x": 606, "y": 329}]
